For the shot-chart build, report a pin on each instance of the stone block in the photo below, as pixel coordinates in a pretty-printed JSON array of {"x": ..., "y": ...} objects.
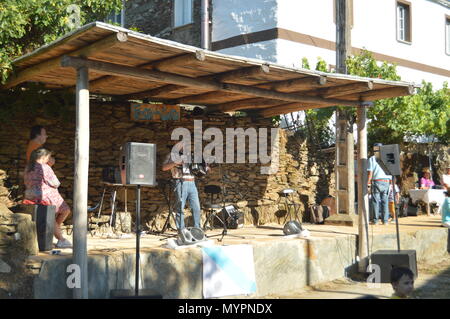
[
  {"x": 26, "y": 228},
  {"x": 4, "y": 267}
]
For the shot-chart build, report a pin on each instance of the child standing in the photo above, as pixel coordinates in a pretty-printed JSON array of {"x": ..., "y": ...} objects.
[
  {"x": 402, "y": 281},
  {"x": 391, "y": 200}
]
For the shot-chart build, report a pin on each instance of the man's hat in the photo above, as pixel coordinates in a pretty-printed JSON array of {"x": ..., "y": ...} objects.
[{"x": 377, "y": 144}]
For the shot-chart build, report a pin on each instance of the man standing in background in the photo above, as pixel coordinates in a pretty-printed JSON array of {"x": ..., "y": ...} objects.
[
  {"x": 38, "y": 137},
  {"x": 378, "y": 183}
]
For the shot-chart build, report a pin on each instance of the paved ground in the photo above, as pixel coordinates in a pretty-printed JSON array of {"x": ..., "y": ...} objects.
[{"x": 433, "y": 282}]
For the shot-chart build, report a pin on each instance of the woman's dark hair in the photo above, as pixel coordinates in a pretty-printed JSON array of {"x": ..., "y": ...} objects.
[
  {"x": 35, "y": 131},
  {"x": 398, "y": 272},
  {"x": 36, "y": 155}
]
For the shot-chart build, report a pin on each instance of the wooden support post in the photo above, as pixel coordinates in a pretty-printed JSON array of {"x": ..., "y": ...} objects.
[
  {"x": 363, "y": 196},
  {"x": 80, "y": 188}
]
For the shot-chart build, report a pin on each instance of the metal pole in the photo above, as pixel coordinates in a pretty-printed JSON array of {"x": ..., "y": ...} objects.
[
  {"x": 205, "y": 25},
  {"x": 363, "y": 198},
  {"x": 396, "y": 213},
  {"x": 81, "y": 181},
  {"x": 138, "y": 238}
]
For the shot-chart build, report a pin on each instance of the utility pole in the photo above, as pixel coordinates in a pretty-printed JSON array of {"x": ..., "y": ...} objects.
[
  {"x": 205, "y": 34},
  {"x": 344, "y": 166}
]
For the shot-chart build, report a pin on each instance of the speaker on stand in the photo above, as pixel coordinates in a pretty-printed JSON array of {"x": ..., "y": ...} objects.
[
  {"x": 138, "y": 167},
  {"x": 388, "y": 157}
]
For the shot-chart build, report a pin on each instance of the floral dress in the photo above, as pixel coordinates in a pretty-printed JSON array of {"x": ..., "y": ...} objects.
[{"x": 42, "y": 186}]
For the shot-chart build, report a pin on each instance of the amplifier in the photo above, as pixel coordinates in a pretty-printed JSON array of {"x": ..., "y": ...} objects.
[
  {"x": 111, "y": 174},
  {"x": 388, "y": 259},
  {"x": 233, "y": 218}
]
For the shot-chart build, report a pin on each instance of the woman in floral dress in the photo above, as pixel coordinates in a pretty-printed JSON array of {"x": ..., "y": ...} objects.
[{"x": 42, "y": 188}]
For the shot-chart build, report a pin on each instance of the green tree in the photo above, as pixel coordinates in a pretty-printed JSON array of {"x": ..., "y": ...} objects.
[
  {"x": 427, "y": 113},
  {"x": 26, "y": 25}
]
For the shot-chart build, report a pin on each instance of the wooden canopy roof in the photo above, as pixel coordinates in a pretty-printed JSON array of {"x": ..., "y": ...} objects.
[{"x": 136, "y": 66}]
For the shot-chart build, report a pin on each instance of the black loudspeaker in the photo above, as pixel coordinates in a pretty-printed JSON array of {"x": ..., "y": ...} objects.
[
  {"x": 388, "y": 259},
  {"x": 233, "y": 218},
  {"x": 111, "y": 174},
  {"x": 44, "y": 217},
  {"x": 138, "y": 164}
]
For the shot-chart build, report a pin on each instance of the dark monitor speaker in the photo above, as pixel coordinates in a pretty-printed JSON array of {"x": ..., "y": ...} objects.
[
  {"x": 138, "y": 164},
  {"x": 44, "y": 216}
]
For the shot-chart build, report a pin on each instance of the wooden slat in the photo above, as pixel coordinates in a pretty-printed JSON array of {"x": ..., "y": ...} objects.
[
  {"x": 301, "y": 84},
  {"x": 40, "y": 68}
]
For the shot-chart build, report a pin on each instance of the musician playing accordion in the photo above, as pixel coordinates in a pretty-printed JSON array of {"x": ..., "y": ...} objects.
[{"x": 184, "y": 184}]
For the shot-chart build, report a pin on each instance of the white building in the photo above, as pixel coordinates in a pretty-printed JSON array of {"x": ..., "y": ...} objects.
[{"x": 413, "y": 34}]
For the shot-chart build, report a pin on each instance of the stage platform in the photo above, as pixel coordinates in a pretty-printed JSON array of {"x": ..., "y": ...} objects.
[{"x": 282, "y": 265}]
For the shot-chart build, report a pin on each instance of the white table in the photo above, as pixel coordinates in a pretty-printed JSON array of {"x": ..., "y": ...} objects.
[{"x": 428, "y": 196}]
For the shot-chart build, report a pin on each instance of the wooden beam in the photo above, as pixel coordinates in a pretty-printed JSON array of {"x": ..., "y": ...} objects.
[
  {"x": 203, "y": 98},
  {"x": 153, "y": 92},
  {"x": 222, "y": 77},
  {"x": 346, "y": 89},
  {"x": 381, "y": 94},
  {"x": 306, "y": 84},
  {"x": 181, "y": 60},
  {"x": 152, "y": 75},
  {"x": 255, "y": 103},
  {"x": 288, "y": 108},
  {"x": 48, "y": 65},
  {"x": 252, "y": 71}
]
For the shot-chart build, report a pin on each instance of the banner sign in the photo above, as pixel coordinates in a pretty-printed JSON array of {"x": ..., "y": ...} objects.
[
  {"x": 228, "y": 271},
  {"x": 155, "y": 112}
]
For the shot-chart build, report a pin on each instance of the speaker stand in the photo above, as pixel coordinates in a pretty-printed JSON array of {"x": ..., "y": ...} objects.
[{"x": 138, "y": 239}]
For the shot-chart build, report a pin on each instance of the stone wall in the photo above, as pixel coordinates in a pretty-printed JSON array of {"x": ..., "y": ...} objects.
[
  {"x": 256, "y": 194},
  {"x": 155, "y": 17}
]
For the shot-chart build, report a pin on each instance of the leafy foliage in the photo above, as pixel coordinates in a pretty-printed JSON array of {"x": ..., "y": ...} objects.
[
  {"x": 426, "y": 113},
  {"x": 26, "y": 25}
]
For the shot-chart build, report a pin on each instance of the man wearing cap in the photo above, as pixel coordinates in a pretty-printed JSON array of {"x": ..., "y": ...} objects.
[{"x": 378, "y": 183}]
